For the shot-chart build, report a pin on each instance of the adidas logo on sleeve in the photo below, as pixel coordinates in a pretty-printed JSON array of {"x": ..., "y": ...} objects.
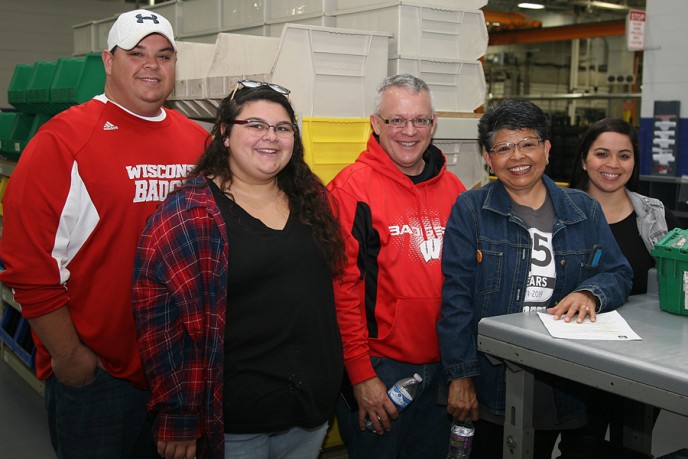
[{"x": 108, "y": 126}]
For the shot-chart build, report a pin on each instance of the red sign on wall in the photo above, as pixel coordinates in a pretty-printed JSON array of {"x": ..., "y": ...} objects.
[{"x": 635, "y": 30}]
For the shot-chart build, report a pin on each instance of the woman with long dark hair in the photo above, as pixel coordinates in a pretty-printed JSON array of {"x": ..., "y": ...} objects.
[
  {"x": 233, "y": 294},
  {"x": 608, "y": 168}
]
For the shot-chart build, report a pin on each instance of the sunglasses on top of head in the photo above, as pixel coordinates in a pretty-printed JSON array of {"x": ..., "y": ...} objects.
[{"x": 252, "y": 84}]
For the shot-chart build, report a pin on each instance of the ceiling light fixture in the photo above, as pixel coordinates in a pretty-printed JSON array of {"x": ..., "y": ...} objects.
[
  {"x": 604, "y": 5},
  {"x": 531, "y": 6}
]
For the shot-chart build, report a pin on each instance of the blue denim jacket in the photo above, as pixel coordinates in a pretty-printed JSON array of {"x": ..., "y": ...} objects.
[{"x": 493, "y": 282}]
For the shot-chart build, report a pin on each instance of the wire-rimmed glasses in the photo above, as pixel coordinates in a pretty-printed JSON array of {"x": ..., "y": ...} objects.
[
  {"x": 259, "y": 128},
  {"x": 526, "y": 145},
  {"x": 398, "y": 122}
]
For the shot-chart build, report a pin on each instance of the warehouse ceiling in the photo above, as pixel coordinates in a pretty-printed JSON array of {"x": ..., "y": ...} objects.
[
  {"x": 558, "y": 6},
  {"x": 506, "y": 15},
  {"x": 573, "y": 7}
]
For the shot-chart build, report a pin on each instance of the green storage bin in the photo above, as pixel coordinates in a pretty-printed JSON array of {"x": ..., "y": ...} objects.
[
  {"x": 38, "y": 120},
  {"x": 16, "y": 92},
  {"x": 672, "y": 271},
  {"x": 14, "y": 132},
  {"x": 67, "y": 72},
  {"x": 77, "y": 80},
  {"x": 38, "y": 92}
]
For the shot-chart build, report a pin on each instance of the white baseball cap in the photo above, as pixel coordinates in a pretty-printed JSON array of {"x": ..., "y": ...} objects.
[{"x": 133, "y": 26}]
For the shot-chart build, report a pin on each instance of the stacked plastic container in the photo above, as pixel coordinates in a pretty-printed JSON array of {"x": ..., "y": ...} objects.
[
  {"x": 42, "y": 89},
  {"x": 331, "y": 54},
  {"x": 438, "y": 41},
  {"x": 15, "y": 331},
  {"x": 38, "y": 91},
  {"x": 332, "y": 74}
]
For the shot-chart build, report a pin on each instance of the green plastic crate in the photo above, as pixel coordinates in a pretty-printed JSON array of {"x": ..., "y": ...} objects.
[
  {"x": 38, "y": 120},
  {"x": 672, "y": 270},
  {"x": 67, "y": 74},
  {"x": 38, "y": 92},
  {"x": 14, "y": 132},
  {"x": 77, "y": 80},
  {"x": 16, "y": 92}
]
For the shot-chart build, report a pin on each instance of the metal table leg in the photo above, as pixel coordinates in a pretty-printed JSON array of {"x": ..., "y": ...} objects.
[{"x": 518, "y": 414}]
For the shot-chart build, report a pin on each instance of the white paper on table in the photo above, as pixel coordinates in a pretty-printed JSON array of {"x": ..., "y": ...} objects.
[{"x": 608, "y": 326}]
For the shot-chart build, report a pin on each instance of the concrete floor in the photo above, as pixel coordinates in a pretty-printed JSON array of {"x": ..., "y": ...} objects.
[{"x": 24, "y": 431}]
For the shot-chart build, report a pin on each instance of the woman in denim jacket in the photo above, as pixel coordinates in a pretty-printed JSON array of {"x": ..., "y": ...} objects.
[{"x": 521, "y": 244}]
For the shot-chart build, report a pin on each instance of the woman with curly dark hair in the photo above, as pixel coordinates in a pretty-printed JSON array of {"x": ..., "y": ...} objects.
[{"x": 233, "y": 293}]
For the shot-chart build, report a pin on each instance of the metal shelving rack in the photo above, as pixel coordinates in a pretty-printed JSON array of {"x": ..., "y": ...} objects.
[
  {"x": 16, "y": 344},
  {"x": 14, "y": 329},
  {"x": 671, "y": 190}
]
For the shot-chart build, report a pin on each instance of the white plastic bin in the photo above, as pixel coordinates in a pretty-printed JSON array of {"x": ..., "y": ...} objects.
[
  {"x": 283, "y": 10},
  {"x": 256, "y": 31},
  {"x": 457, "y": 86},
  {"x": 239, "y": 14},
  {"x": 423, "y": 31},
  {"x": 197, "y": 17},
  {"x": 172, "y": 11},
  {"x": 237, "y": 57},
  {"x": 331, "y": 72},
  {"x": 189, "y": 95},
  {"x": 456, "y": 4},
  {"x": 102, "y": 30},
  {"x": 275, "y": 27},
  {"x": 84, "y": 38},
  {"x": 465, "y": 160}
]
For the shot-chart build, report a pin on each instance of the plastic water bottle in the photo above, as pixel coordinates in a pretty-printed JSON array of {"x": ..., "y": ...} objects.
[
  {"x": 401, "y": 394},
  {"x": 461, "y": 439}
]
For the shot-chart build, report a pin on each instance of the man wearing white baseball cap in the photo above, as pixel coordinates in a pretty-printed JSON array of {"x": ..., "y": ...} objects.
[
  {"x": 74, "y": 210},
  {"x": 134, "y": 26}
]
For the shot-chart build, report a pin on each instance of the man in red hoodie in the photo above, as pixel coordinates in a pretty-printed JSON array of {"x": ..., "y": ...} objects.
[
  {"x": 393, "y": 204},
  {"x": 74, "y": 210}
]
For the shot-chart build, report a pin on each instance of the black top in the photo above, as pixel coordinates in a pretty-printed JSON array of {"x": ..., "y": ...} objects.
[
  {"x": 283, "y": 356},
  {"x": 632, "y": 246}
]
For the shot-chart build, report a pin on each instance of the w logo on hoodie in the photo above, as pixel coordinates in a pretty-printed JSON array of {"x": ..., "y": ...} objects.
[{"x": 431, "y": 248}]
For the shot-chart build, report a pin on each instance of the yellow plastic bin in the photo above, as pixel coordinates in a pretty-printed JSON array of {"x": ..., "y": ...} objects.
[
  {"x": 333, "y": 143},
  {"x": 3, "y": 186},
  {"x": 333, "y": 439}
]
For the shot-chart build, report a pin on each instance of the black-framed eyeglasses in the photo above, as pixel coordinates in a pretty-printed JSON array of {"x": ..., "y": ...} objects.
[
  {"x": 259, "y": 128},
  {"x": 398, "y": 122},
  {"x": 526, "y": 145},
  {"x": 257, "y": 84}
]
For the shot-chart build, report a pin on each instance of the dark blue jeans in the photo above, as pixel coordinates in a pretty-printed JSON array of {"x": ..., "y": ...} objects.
[
  {"x": 105, "y": 419},
  {"x": 422, "y": 429}
]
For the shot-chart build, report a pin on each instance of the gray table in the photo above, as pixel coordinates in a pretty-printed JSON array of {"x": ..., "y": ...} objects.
[{"x": 653, "y": 371}]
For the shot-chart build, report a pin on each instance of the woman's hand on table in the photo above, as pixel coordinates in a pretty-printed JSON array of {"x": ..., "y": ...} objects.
[{"x": 583, "y": 303}]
